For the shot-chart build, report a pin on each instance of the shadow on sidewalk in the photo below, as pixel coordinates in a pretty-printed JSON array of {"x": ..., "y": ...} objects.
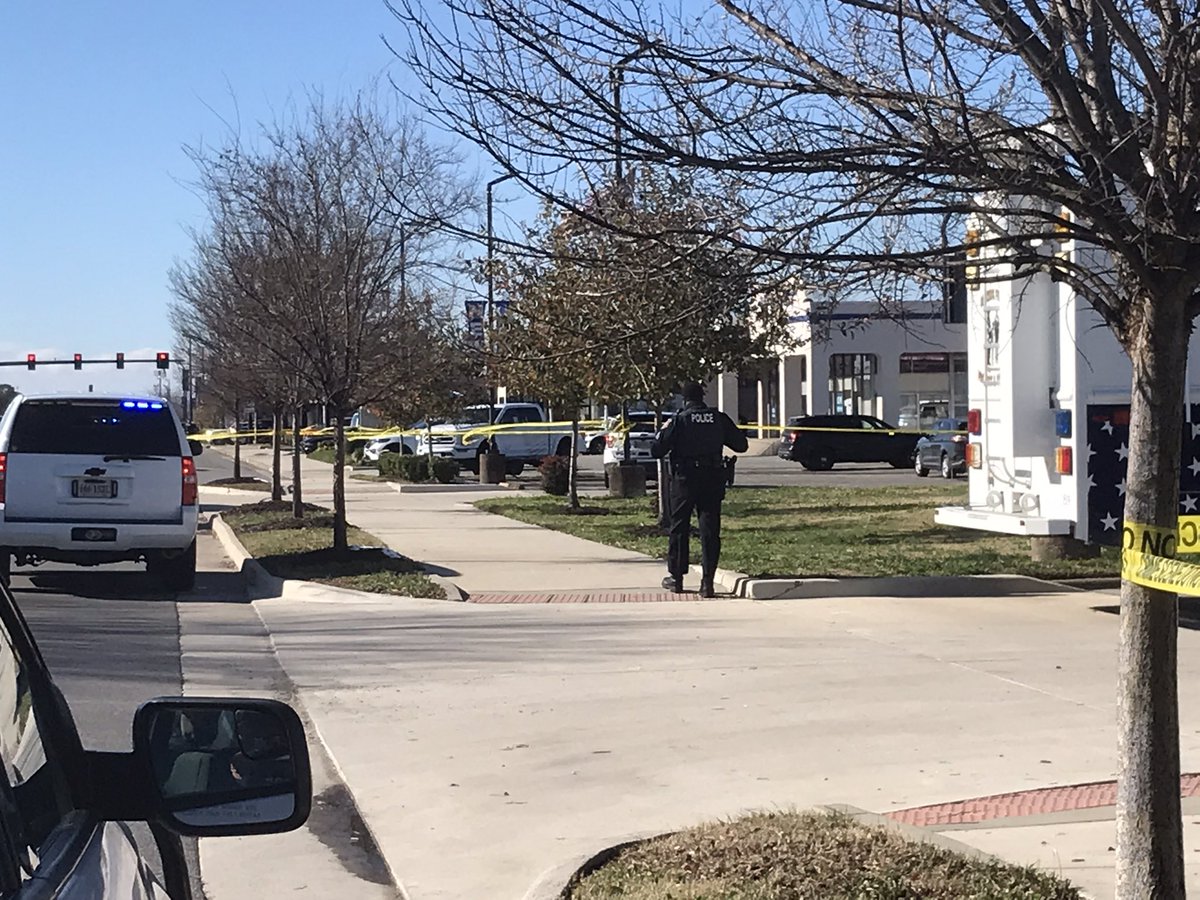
[{"x": 1189, "y": 612}]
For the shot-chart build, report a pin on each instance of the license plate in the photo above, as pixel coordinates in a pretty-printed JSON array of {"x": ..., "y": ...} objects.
[{"x": 93, "y": 488}]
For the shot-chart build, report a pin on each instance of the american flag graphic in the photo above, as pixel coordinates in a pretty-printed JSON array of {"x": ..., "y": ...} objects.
[{"x": 1108, "y": 459}]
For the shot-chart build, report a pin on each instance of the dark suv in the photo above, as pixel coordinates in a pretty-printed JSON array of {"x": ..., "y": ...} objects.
[
  {"x": 820, "y": 442},
  {"x": 199, "y": 766}
]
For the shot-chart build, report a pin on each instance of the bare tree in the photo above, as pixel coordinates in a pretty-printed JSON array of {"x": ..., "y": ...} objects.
[
  {"x": 320, "y": 227},
  {"x": 633, "y": 307},
  {"x": 857, "y": 130}
]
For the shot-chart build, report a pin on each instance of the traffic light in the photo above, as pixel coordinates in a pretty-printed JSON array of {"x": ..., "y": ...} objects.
[
  {"x": 78, "y": 361},
  {"x": 162, "y": 359},
  {"x": 31, "y": 361},
  {"x": 120, "y": 360}
]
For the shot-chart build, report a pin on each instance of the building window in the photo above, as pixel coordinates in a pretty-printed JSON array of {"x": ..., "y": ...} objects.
[
  {"x": 932, "y": 386},
  {"x": 852, "y": 383}
]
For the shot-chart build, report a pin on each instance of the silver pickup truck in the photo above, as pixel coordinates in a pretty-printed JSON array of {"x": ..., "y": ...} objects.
[{"x": 462, "y": 440}]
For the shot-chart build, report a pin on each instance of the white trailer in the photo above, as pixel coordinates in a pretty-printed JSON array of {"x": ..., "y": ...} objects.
[{"x": 1048, "y": 413}]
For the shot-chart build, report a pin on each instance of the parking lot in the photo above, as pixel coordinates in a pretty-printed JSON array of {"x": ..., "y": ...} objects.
[{"x": 770, "y": 471}]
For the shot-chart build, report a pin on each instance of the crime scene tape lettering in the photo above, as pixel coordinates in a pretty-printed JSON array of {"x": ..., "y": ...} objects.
[{"x": 1148, "y": 555}]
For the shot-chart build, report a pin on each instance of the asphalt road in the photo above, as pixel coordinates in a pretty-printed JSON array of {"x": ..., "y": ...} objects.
[{"x": 111, "y": 639}]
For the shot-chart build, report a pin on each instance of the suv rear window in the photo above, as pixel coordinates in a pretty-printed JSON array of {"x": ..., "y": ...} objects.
[{"x": 93, "y": 428}]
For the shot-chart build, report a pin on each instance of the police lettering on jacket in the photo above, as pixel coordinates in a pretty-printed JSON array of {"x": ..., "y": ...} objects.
[{"x": 700, "y": 436}]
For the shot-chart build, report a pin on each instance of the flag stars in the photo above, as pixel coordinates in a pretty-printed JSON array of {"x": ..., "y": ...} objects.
[
  {"x": 1110, "y": 522},
  {"x": 1188, "y": 504},
  {"x": 1121, "y": 488},
  {"x": 1122, "y": 451},
  {"x": 1107, "y": 427}
]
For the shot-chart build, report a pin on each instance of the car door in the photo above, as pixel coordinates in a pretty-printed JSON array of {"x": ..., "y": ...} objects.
[
  {"x": 884, "y": 443},
  {"x": 48, "y": 847}
]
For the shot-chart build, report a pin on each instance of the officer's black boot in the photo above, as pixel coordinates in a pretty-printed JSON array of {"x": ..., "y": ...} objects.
[
  {"x": 706, "y": 588},
  {"x": 673, "y": 583}
]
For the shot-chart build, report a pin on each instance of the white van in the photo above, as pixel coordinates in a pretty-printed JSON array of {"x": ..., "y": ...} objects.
[{"x": 94, "y": 479}]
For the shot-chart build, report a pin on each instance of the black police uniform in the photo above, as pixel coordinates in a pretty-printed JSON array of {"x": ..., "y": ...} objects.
[{"x": 693, "y": 440}]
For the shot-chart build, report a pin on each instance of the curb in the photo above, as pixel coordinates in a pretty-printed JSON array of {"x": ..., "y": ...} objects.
[
  {"x": 229, "y": 491},
  {"x": 405, "y": 488},
  {"x": 555, "y": 882},
  {"x": 741, "y": 585},
  {"x": 263, "y": 584}
]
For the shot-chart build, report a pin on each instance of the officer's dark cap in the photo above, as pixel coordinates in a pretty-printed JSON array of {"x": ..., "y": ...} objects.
[{"x": 692, "y": 392}]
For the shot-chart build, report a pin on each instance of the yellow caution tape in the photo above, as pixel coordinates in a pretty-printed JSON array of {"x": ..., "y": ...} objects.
[{"x": 1148, "y": 555}]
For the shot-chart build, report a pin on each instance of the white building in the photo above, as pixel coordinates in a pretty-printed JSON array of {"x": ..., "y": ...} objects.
[{"x": 908, "y": 367}]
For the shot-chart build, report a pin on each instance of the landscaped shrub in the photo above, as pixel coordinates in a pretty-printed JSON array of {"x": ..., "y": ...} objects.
[
  {"x": 406, "y": 467},
  {"x": 556, "y": 475}
]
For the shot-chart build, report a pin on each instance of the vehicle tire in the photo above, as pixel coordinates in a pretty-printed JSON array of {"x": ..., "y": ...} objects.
[
  {"x": 596, "y": 447},
  {"x": 513, "y": 467},
  {"x": 406, "y": 451},
  {"x": 818, "y": 461},
  {"x": 5, "y": 567},
  {"x": 919, "y": 468},
  {"x": 947, "y": 467},
  {"x": 177, "y": 573},
  {"x": 564, "y": 447}
]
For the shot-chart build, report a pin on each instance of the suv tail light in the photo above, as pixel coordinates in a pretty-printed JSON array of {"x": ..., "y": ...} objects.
[
  {"x": 189, "y": 482},
  {"x": 3, "y": 472}
]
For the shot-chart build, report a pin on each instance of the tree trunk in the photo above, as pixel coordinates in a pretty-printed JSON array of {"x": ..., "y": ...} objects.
[
  {"x": 341, "y": 545},
  {"x": 573, "y": 472},
  {"x": 277, "y": 454},
  {"x": 237, "y": 452},
  {"x": 1149, "y": 858},
  {"x": 297, "y": 456}
]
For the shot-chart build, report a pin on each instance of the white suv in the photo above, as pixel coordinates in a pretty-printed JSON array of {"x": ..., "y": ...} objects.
[{"x": 95, "y": 479}]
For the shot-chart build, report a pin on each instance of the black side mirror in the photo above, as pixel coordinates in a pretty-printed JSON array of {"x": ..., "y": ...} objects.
[
  {"x": 224, "y": 766},
  {"x": 196, "y": 447}
]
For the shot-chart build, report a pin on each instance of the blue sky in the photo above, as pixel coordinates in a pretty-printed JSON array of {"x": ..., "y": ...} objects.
[{"x": 98, "y": 101}]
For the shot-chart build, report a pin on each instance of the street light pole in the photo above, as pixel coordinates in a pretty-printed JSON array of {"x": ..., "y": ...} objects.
[{"x": 491, "y": 295}]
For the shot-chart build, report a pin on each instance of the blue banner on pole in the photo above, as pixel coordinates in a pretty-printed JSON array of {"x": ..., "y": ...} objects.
[{"x": 476, "y": 310}]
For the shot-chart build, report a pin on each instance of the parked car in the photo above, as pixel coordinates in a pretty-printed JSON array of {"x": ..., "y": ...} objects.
[
  {"x": 944, "y": 451},
  {"x": 460, "y": 438},
  {"x": 376, "y": 447},
  {"x": 94, "y": 479},
  {"x": 198, "y": 766},
  {"x": 311, "y": 441},
  {"x": 820, "y": 442}
]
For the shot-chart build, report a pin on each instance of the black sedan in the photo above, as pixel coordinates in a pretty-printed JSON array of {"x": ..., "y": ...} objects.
[
  {"x": 819, "y": 442},
  {"x": 944, "y": 451}
]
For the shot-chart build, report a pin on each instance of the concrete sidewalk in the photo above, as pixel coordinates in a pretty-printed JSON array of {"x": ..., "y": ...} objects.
[
  {"x": 487, "y": 745},
  {"x": 477, "y": 550}
]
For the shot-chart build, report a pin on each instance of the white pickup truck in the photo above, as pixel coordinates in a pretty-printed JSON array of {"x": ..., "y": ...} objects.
[{"x": 459, "y": 439}]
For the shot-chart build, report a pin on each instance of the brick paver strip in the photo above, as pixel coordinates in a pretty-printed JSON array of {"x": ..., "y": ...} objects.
[
  {"x": 580, "y": 597},
  {"x": 1025, "y": 803}
]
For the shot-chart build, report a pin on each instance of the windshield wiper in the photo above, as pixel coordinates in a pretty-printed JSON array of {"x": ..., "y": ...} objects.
[{"x": 131, "y": 457}]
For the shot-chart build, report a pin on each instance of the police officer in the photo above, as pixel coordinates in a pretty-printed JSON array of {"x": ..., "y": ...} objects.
[{"x": 692, "y": 442}]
